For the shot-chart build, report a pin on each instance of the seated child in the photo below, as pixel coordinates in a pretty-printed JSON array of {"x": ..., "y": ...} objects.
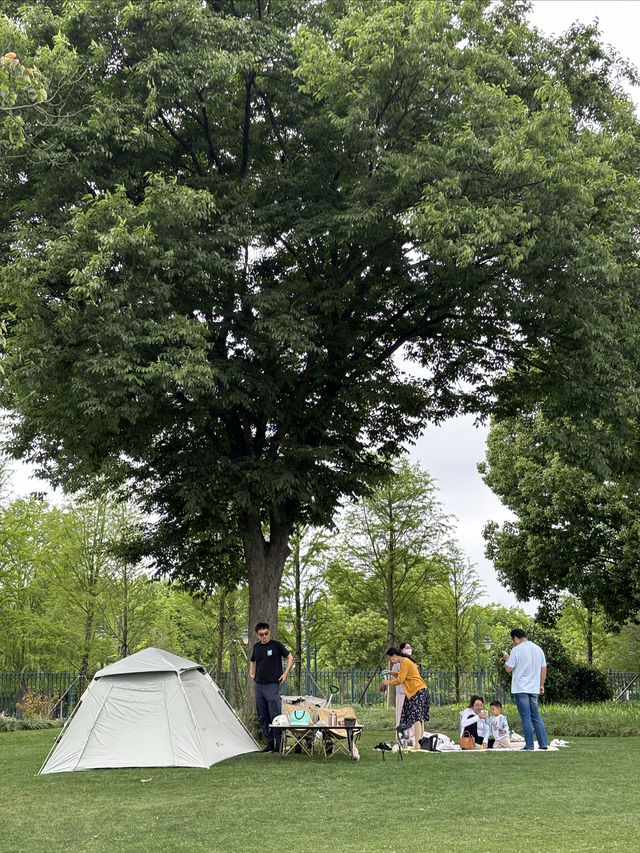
[{"x": 499, "y": 737}]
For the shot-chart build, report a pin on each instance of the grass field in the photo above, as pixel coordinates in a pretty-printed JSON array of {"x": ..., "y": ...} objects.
[{"x": 578, "y": 799}]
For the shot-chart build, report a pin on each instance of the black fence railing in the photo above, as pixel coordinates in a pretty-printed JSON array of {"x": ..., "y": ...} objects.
[
  {"x": 345, "y": 686},
  {"x": 63, "y": 688}
]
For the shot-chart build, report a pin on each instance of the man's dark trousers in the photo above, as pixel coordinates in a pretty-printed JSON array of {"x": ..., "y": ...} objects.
[{"x": 268, "y": 706}]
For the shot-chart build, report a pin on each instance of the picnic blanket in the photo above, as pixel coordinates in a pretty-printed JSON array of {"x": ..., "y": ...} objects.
[{"x": 456, "y": 750}]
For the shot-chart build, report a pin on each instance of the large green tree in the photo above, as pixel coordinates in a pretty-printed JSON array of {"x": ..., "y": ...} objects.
[
  {"x": 246, "y": 212},
  {"x": 574, "y": 531}
]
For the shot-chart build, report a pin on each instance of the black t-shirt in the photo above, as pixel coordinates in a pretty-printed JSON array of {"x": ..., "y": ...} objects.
[{"x": 268, "y": 659}]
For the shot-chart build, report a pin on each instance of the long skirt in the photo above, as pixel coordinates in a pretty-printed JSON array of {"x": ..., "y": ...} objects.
[
  {"x": 415, "y": 709},
  {"x": 409, "y": 733}
]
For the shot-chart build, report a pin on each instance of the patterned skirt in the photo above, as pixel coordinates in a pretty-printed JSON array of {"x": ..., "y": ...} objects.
[{"x": 415, "y": 709}]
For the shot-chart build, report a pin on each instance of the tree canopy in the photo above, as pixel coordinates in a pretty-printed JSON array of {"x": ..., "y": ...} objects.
[
  {"x": 246, "y": 213},
  {"x": 573, "y": 532}
]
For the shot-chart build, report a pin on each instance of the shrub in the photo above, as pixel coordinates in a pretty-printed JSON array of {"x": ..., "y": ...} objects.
[
  {"x": 12, "y": 724},
  {"x": 35, "y": 704},
  {"x": 587, "y": 684},
  {"x": 8, "y": 724}
]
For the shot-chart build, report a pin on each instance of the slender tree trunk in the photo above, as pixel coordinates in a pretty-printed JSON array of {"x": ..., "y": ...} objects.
[
  {"x": 234, "y": 680},
  {"x": 88, "y": 638},
  {"x": 390, "y": 579},
  {"x": 456, "y": 646},
  {"x": 124, "y": 636},
  {"x": 589, "y": 636},
  {"x": 220, "y": 649},
  {"x": 298, "y": 615},
  {"x": 265, "y": 564}
]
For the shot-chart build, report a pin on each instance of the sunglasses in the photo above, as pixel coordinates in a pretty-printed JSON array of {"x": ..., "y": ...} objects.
[{"x": 263, "y": 633}]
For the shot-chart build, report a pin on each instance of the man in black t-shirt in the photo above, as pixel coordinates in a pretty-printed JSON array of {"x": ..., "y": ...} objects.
[{"x": 265, "y": 668}]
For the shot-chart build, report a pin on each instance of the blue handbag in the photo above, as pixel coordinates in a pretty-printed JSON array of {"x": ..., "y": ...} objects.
[{"x": 299, "y": 718}]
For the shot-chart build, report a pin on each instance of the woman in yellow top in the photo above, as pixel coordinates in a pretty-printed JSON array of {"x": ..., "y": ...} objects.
[{"x": 415, "y": 709}]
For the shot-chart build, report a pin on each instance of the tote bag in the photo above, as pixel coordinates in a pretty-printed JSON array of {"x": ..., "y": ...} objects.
[{"x": 299, "y": 718}]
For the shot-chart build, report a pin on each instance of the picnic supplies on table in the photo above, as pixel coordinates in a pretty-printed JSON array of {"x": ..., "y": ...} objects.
[
  {"x": 340, "y": 715},
  {"x": 288, "y": 708},
  {"x": 340, "y": 731},
  {"x": 299, "y": 717}
]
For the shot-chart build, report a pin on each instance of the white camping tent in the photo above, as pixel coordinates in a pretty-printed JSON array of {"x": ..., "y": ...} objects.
[{"x": 152, "y": 709}]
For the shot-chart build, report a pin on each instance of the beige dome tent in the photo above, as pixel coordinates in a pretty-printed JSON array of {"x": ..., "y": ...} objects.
[{"x": 152, "y": 709}]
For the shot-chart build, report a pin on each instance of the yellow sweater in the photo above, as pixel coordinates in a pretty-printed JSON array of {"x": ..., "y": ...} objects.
[{"x": 409, "y": 677}]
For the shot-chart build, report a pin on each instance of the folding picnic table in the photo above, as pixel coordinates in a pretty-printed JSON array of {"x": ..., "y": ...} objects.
[{"x": 334, "y": 739}]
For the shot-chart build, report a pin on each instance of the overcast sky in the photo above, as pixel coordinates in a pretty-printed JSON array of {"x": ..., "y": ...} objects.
[{"x": 451, "y": 452}]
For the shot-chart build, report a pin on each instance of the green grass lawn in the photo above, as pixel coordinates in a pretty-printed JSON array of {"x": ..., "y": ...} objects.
[{"x": 581, "y": 798}]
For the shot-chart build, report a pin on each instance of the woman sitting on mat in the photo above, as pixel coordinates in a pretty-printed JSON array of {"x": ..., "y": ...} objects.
[
  {"x": 415, "y": 709},
  {"x": 474, "y": 720}
]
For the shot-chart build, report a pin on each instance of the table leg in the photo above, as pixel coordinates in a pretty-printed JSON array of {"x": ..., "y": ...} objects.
[{"x": 350, "y": 743}]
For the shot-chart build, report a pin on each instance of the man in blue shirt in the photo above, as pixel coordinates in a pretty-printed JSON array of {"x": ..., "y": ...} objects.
[{"x": 529, "y": 667}]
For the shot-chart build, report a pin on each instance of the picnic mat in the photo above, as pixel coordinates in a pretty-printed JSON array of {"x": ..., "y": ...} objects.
[{"x": 515, "y": 748}]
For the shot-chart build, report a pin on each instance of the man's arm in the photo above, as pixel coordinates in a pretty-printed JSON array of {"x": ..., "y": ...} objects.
[
  {"x": 252, "y": 669},
  {"x": 284, "y": 675},
  {"x": 543, "y": 677}
]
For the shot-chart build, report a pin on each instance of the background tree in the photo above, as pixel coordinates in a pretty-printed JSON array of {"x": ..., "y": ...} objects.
[
  {"x": 451, "y": 615},
  {"x": 389, "y": 548},
  {"x": 575, "y": 531},
  {"x": 303, "y": 594},
  {"x": 248, "y": 211},
  {"x": 27, "y": 544},
  {"x": 622, "y": 650},
  {"x": 582, "y": 632}
]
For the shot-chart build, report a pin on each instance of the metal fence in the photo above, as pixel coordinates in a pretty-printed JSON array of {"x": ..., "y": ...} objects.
[
  {"x": 64, "y": 688},
  {"x": 346, "y": 686}
]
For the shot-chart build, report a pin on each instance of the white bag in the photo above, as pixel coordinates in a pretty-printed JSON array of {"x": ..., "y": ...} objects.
[{"x": 280, "y": 720}]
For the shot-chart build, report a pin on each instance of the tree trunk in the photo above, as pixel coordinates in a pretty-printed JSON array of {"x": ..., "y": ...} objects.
[
  {"x": 234, "y": 680},
  {"x": 589, "y": 636},
  {"x": 265, "y": 563},
  {"x": 124, "y": 636},
  {"x": 220, "y": 649},
  {"x": 390, "y": 580},
  {"x": 298, "y": 617}
]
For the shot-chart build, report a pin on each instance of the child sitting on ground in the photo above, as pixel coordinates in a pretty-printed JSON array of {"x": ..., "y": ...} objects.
[{"x": 499, "y": 736}]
